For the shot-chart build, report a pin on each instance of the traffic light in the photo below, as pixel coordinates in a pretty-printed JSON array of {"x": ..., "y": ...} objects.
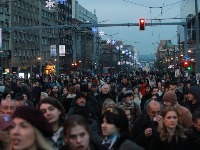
[
  {"x": 142, "y": 24},
  {"x": 187, "y": 65}
]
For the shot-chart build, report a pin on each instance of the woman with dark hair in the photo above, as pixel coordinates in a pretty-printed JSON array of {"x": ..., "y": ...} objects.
[
  {"x": 55, "y": 114},
  {"x": 171, "y": 135},
  {"x": 77, "y": 135},
  {"x": 115, "y": 130}
]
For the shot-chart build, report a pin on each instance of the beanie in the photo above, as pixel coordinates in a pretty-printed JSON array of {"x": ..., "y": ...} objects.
[
  {"x": 128, "y": 93},
  {"x": 78, "y": 95},
  {"x": 170, "y": 96},
  {"x": 35, "y": 117}
]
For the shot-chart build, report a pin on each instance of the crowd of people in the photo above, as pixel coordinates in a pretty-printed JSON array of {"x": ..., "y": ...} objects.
[{"x": 125, "y": 112}]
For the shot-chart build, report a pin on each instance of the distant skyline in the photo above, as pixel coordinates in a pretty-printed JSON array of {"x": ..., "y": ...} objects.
[{"x": 129, "y": 11}]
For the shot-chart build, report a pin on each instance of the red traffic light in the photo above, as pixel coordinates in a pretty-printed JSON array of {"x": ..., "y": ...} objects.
[{"x": 142, "y": 24}]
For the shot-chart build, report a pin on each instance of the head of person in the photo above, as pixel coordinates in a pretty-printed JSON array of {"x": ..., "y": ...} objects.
[
  {"x": 170, "y": 117},
  {"x": 19, "y": 99},
  {"x": 52, "y": 110},
  {"x": 5, "y": 125},
  {"x": 135, "y": 90},
  {"x": 171, "y": 86},
  {"x": 128, "y": 114},
  {"x": 80, "y": 99},
  {"x": 37, "y": 83},
  {"x": 43, "y": 95},
  {"x": 6, "y": 95},
  {"x": 115, "y": 123},
  {"x": 169, "y": 98},
  {"x": 193, "y": 94},
  {"x": 155, "y": 97},
  {"x": 64, "y": 90},
  {"x": 25, "y": 96},
  {"x": 77, "y": 133},
  {"x": 154, "y": 90},
  {"x": 196, "y": 120},
  {"x": 55, "y": 89},
  {"x": 7, "y": 106},
  {"x": 153, "y": 109},
  {"x": 105, "y": 89},
  {"x": 124, "y": 80},
  {"x": 29, "y": 129},
  {"x": 73, "y": 89},
  {"x": 170, "y": 124},
  {"x": 128, "y": 96},
  {"x": 123, "y": 89},
  {"x": 108, "y": 103},
  {"x": 147, "y": 88},
  {"x": 93, "y": 87}
]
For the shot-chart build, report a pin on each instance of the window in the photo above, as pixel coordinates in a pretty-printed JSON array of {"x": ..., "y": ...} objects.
[
  {"x": 15, "y": 35},
  {"x": 15, "y": 18}
]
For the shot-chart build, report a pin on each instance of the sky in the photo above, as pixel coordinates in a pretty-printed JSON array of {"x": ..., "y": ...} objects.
[{"x": 129, "y": 11}]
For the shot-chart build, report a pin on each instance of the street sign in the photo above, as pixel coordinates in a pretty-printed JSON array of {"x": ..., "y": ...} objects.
[
  {"x": 187, "y": 57},
  {"x": 5, "y": 53}
]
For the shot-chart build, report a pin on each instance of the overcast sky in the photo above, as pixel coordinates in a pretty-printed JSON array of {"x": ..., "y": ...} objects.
[{"x": 129, "y": 11}]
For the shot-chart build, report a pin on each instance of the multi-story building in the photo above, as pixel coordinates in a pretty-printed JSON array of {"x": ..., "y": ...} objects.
[
  {"x": 85, "y": 46},
  {"x": 188, "y": 14},
  {"x": 167, "y": 55},
  {"x": 30, "y": 47}
]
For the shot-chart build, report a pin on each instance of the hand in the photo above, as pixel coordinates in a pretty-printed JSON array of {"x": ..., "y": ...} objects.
[
  {"x": 158, "y": 119},
  {"x": 148, "y": 132}
]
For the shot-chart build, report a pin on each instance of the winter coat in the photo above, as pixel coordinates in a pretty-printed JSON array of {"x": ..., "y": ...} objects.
[
  {"x": 174, "y": 144},
  {"x": 192, "y": 107},
  {"x": 86, "y": 111},
  {"x": 193, "y": 139},
  {"x": 93, "y": 146},
  {"x": 184, "y": 117},
  {"x": 101, "y": 98},
  {"x": 139, "y": 127}
]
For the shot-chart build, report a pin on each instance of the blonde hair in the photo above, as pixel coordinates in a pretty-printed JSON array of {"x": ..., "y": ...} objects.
[{"x": 40, "y": 141}]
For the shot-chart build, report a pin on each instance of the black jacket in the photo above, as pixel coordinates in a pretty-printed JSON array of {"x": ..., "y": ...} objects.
[
  {"x": 93, "y": 146},
  {"x": 139, "y": 127},
  {"x": 175, "y": 144},
  {"x": 193, "y": 139}
]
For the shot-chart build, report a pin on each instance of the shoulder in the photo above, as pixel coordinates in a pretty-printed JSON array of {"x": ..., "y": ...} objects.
[
  {"x": 129, "y": 145},
  {"x": 182, "y": 110}
]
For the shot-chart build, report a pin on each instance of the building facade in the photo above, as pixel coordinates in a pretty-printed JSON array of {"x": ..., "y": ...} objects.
[{"x": 29, "y": 46}]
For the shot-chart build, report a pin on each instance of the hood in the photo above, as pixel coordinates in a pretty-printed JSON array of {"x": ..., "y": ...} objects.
[{"x": 195, "y": 90}]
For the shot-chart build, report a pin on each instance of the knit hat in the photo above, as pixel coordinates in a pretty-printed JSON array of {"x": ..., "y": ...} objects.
[
  {"x": 194, "y": 90},
  {"x": 5, "y": 121},
  {"x": 128, "y": 93},
  {"x": 170, "y": 96},
  {"x": 78, "y": 95},
  {"x": 36, "y": 118}
]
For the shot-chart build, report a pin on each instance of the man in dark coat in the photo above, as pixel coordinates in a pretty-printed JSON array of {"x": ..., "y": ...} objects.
[
  {"x": 193, "y": 103},
  {"x": 145, "y": 128},
  {"x": 105, "y": 94},
  {"x": 124, "y": 84},
  {"x": 81, "y": 106}
]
